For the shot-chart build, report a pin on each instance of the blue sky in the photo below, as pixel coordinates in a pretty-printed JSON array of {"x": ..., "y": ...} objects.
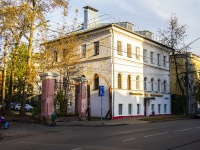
[{"x": 144, "y": 14}]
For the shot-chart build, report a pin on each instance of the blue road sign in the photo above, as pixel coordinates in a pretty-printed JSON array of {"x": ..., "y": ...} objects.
[{"x": 101, "y": 91}]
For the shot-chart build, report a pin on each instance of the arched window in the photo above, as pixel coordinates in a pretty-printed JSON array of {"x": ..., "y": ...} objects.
[
  {"x": 145, "y": 83},
  {"x": 137, "y": 82},
  {"x": 159, "y": 85},
  {"x": 152, "y": 84},
  {"x": 129, "y": 82},
  {"x": 164, "y": 86},
  {"x": 119, "y": 81},
  {"x": 96, "y": 81}
]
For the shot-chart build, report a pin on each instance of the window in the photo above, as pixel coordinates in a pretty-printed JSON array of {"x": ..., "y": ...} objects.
[
  {"x": 145, "y": 83},
  {"x": 137, "y": 53},
  {"x": 164, "y": 86},
  {"x": 119, "y": 47},
  {"x": 145, "y": 55},
  {"x": 129, "y": 51},
  {"x": 119, "y": 81},
  {"x": 96, "y": 81},
  {"x": 138, "y": 108},
  {"x": 152, "y": 107},
  {"x": 158, "y": 59},
  {"x": 152, "y": 84},
  {"x": 96, "y": 48},
  {"x": 165, "y": 108},
  {"x": 83, "y": 51},
  {"x": 55, "y": 56},
  {"x": 137, "y": 82},
  {"x": 159, "y": 85},
  {"x": 159, "y": 105},
  {"x": 129, "y": 109},
  {"x": 164, "y": 61},
  {"x": 151, "y": 57},
  {"x": 129, "y": 82},
  {"x": 120, "y": 109}
]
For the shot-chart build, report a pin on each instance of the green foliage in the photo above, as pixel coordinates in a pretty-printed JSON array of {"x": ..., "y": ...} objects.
[
  {"x": 37, "y": 108},
  {"x": 197, "y": 93},
  {"x": 60, "y": 98},
  {"x": 178, "y": 104}
]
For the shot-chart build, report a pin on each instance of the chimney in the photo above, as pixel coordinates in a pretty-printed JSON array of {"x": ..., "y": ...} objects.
[
  {"x": 91, "y": 17},
  {"x": 145, "y": 33}
]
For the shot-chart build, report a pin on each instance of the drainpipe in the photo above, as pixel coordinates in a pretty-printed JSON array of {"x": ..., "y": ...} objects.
[{"x": 113, "y": 74}]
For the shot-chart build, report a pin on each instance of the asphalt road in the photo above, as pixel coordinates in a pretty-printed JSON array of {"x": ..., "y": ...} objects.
[{"x": 170, "y": 135}]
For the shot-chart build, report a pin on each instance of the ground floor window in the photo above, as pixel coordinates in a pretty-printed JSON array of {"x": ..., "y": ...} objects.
[
  {"x": 120, "y": 109},
  {"x": 165, "y": 108},
  {"x": 129, "y": 109},
  {"x": 152, "y": 107},
  {"x": 138, "y": 108},
  {"x": 159, "y": 105}
]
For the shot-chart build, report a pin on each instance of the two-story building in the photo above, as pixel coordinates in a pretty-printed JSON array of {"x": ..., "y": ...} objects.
[{"x": 132, "y": 67}]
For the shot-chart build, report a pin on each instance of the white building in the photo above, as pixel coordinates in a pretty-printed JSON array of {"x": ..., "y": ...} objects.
[{"x": 131, "y": 64}]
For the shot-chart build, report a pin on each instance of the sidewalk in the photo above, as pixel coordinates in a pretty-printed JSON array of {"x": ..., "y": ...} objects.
[{"x": 103, "y": 122}]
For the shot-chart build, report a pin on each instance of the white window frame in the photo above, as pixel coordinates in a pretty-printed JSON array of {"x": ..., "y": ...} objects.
[
  {"x": 158, "y": 59},
  {"x": 145, "y": 55},
  {"x": 152, "y": 57},
  {"x": 83, "y": 51},
  {"x": 130, "y": 109},
  {"x": 120, "y": 111},
  {"x": 164, "y": 61},
  {"x": 137, "y": 55},
  {"x": 145, "y": 83},
  {"x": 138, "y": 109}
]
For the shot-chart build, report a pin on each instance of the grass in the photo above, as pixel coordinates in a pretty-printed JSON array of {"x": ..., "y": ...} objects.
[{"x": 166, "y": 118}]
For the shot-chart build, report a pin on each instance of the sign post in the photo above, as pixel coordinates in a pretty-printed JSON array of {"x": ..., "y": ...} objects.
[{"x": 101, "y": 93}]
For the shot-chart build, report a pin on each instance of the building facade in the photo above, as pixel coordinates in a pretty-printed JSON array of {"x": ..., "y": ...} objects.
[
  {"x": 132, "y": 67},
  {"x": 188, "y": 70}
]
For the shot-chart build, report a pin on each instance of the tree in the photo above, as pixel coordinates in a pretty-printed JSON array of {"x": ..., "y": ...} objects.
[
  {"x": 61, "y": 56},
  {"x": 174, "y": 37},
  {"x": 33, "y": 13}
]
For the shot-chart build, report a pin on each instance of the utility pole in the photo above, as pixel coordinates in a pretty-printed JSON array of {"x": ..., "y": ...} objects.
[
  {"x": 188, "y": 78},
  {"x": 188, "y": 83}
]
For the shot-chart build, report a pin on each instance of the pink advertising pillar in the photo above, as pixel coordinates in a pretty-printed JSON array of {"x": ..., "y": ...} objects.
[{"x": 47, "y": 101}]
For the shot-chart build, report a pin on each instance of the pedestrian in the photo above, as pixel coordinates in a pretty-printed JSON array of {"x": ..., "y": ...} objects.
[{"x": 53, "y": 118}]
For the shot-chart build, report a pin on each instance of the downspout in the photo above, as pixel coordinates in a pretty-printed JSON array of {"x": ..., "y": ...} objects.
[{"x": 113, "y": 75}]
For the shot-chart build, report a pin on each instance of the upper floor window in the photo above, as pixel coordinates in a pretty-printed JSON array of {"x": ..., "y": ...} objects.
[
  {"x": 145, "y": 83},
  {"x": 119, "y": 81},
  {"x": 55, "y": 56},
  {"x": 119, "y": 47},
  {"x": 164, "y": 86},
  {"x": 129, "y": 82},
  {"x": 137, "y": 53},
  {"x": 83, "y": 51},
  {"x": 96, "y": 48},
  {"x": 129, "y": 51},
  {"x": 137, "y": 82},
  {"x": 151, "y": 57},
  {"x": 164, "y": 61},
  {"x": 159, "y": 85},
  {"x": 96, "y": 81},
  {"x": 158, "y": 59},
  {"x": 145, "y": 55},
  {"x": 152, "y": 84}
]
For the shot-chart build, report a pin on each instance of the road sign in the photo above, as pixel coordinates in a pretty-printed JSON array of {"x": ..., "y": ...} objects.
[{"x": 101, "y": 91}]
